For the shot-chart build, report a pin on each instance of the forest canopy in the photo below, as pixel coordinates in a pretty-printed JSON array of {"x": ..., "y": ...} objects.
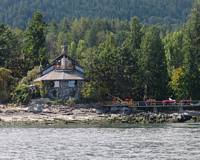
[
  {"x": 123, "y": 58},
  {"x": 17, "y": 12}
]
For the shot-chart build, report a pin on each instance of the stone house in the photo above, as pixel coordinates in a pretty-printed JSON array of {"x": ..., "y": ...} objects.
[{"x": 63, "y": 78}]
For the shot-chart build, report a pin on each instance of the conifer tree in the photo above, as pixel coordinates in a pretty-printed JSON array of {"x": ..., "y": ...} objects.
[
  {"x": 34, "y": 47},
  {"x": 191, "y": 80},
  {"x": 103, "y": 67},
  {"x": 153, "y": 65},
  {"x": 129, "y": 60}
]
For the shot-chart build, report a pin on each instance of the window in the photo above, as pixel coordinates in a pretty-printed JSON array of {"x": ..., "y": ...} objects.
[
  {"x": 71, "y": 84},
  {"x": 56, "y": 84}
]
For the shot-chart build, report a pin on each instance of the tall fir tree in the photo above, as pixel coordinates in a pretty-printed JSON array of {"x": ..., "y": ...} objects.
[
  {"x": 173, "y": 45},
  {"x": 103, "y": 69},
  {"x": 153, "y": 65},
  {"x": 8, "y": 46},
  {"x": 129, "y": 61},
  {"x": 10, "y": 54},
  {"x": 191, "y": 80},
  {"x": 34, "y": 47}
]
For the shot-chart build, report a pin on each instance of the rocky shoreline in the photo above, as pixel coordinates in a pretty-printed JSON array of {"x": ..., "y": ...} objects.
[{"x": 51, "y": 115}]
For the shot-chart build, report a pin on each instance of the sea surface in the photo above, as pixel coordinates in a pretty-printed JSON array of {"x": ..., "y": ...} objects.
[{"x": 151, "y": 142}]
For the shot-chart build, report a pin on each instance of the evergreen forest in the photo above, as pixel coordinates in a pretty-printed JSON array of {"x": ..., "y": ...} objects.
[
  {"x": 124, "y": 57},
  {"x": 168, "y": 12}
]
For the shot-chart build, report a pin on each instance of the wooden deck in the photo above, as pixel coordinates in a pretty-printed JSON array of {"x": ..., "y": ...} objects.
[{"x": 159, "y": 108}]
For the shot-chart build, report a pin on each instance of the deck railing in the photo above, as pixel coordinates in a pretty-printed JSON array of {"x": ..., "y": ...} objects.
[{"x": 154, "y": 103}]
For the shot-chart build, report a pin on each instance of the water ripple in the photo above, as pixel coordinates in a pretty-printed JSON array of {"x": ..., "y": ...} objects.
[{"x": 173, "y": 142}]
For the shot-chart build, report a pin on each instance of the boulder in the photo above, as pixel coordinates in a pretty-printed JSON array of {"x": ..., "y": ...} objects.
[{"x": 37, "y": 108}]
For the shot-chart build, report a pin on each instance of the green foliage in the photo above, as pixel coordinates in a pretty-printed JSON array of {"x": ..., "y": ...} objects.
[
  {"x": 17, "y": 12},
  {"x": 100, "y": 70},
  {"x": 5, "y": 84},
  {"x": 153, "y": 65},
  {"x": 173, "y": 45},
  {"x": 34, "y": 47},
  {"x": 176, "y": 83},
  {"x": 128, "y": 67},
  {"x": 114, "y": 70},
  {"x": 22, "y": 94},
  {"x": 71, "y": 101},
  {"x": 192, "y": 55},
  {"x": 10, "y": 50},
  {"x": 31, "y": 75},
  {"x": 120, "y": 57}
]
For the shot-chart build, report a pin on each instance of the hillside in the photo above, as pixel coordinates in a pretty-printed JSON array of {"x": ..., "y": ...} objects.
[{"x": 16, "y": 12}]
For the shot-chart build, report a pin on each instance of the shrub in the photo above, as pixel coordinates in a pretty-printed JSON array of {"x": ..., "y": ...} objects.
[
  {"x": 94, "y": 92},
  {"x": 5, "y": 84},
  {"x": 22, "y": 94},
  {"x": 31, "y": 75},
  {"x": 71, "y": 101}
]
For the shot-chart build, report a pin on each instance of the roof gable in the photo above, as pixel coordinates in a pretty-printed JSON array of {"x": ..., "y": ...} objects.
[{"x": 57, "y": 60}]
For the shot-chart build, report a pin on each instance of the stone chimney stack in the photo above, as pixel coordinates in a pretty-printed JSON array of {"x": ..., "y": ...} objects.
[
  {"x": 64, "y": 59},
  {"x": 64, "y": 50}
]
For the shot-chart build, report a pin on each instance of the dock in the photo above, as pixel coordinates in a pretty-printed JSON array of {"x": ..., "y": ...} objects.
[{"x": 157, "y": 106}]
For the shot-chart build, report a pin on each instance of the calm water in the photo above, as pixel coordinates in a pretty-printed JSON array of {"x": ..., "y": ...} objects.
[{"x": 168, "y": 142}]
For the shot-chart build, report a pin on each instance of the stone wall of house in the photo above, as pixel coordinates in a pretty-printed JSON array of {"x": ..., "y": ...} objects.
[{"x": 65, "y": 91}]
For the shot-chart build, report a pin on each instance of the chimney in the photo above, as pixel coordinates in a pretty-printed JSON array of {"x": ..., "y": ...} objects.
[
  {"x": 64, "y": 50},
  {"x": 64, "y": 59}
]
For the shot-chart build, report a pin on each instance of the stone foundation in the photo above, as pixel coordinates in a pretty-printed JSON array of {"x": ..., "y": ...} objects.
[{"x": 64, "y": 91}]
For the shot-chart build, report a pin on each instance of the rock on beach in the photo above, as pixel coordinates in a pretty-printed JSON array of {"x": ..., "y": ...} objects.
[{"x": 89, "y": 114}]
